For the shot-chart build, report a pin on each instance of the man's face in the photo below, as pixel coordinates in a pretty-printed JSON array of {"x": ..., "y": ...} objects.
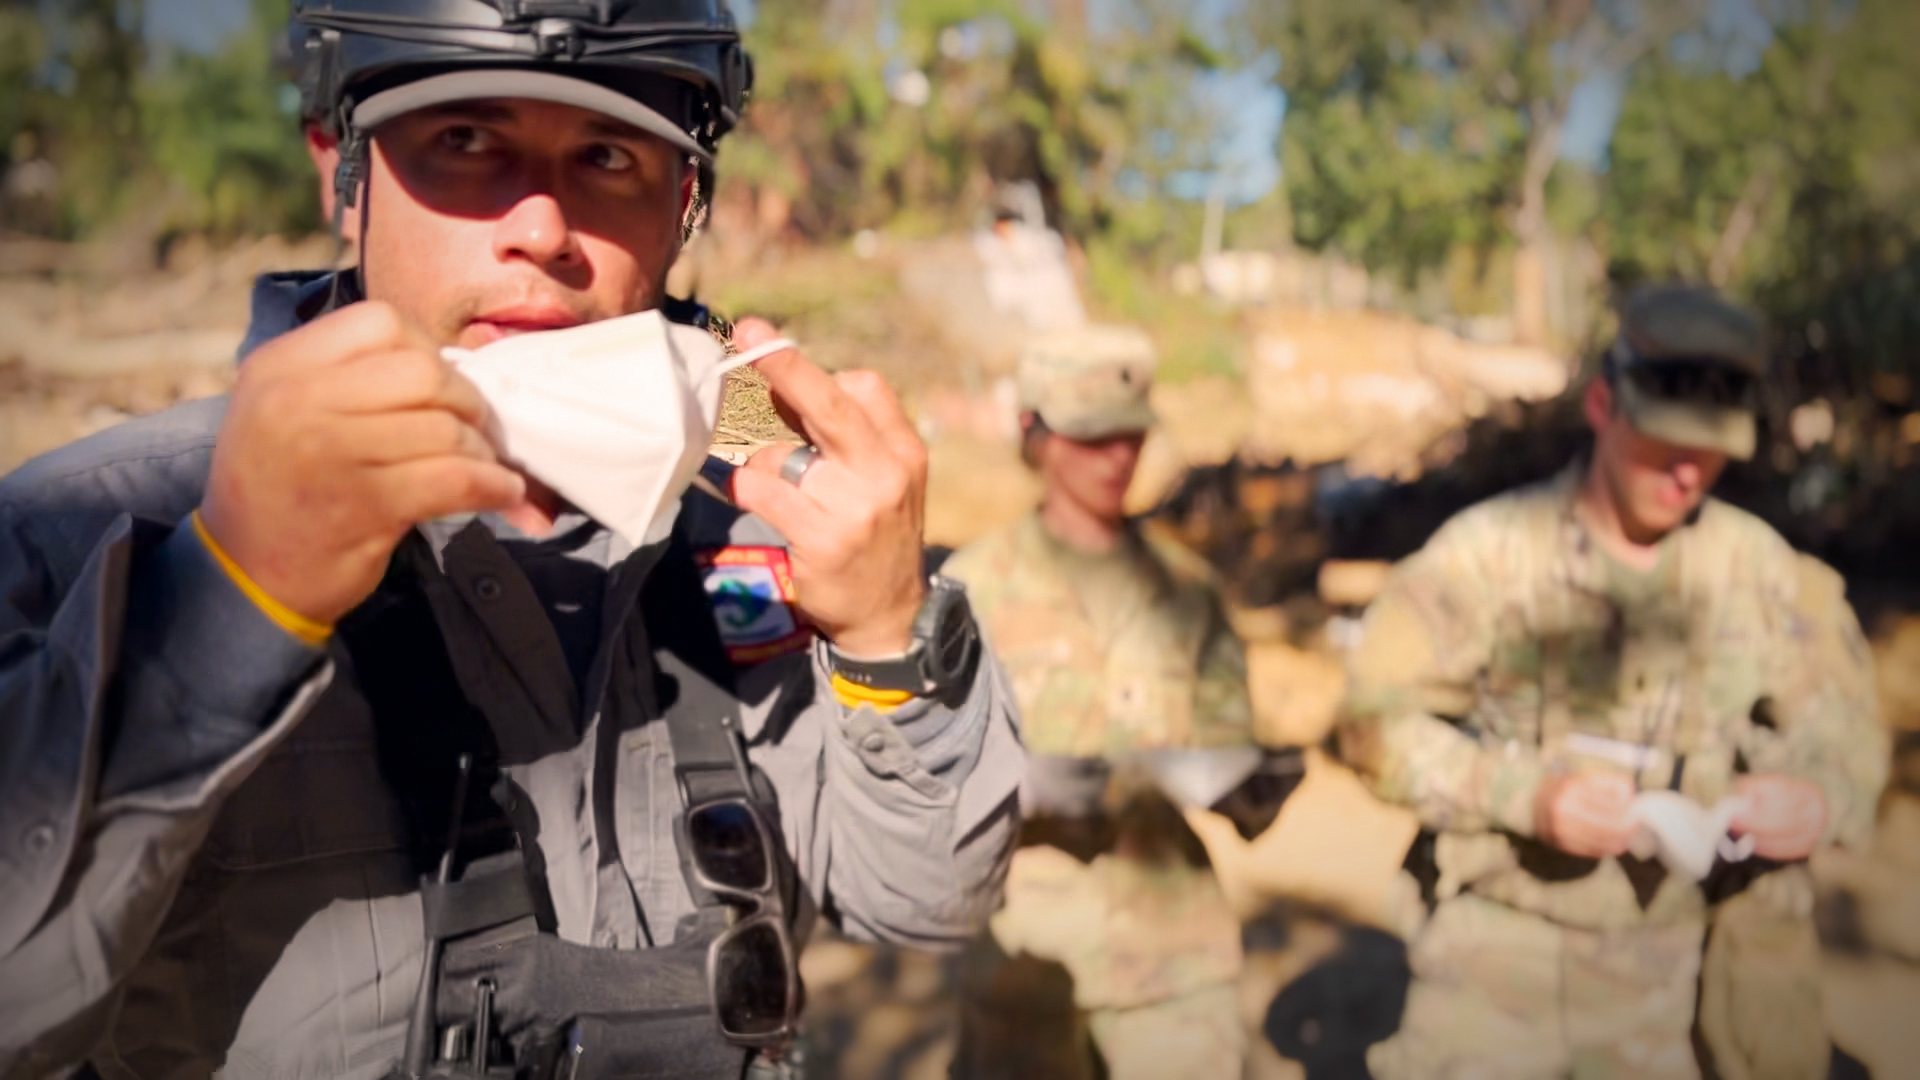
[
  {"x": 1655, "y": 486},
  {"x": 490, "y": 218},
  {"x": 1092, "y": 475}
]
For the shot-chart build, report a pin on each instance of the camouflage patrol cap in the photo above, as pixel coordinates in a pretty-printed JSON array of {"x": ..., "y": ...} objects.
[
  {"x": 1689, "y": 363},
  {"x": 1089, "y": 382}
]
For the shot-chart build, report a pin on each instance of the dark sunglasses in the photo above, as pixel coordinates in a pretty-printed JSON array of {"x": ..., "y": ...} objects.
[
  {"x": 751, "y": 972},
  {"x": 1705, "y": 383}
]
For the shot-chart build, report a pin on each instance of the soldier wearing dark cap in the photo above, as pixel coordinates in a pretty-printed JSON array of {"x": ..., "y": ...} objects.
[{"x": 1558, "y": 653}]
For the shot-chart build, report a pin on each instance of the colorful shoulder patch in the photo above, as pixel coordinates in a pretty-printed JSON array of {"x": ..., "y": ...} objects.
[{"x": 751, "y": 590}]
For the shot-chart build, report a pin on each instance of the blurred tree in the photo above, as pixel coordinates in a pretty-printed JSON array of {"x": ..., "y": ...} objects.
[
  {"x": 815, "y": 90},
  {"x": 23, "y": 119},
  {"x": 1797, "y": 184},
  {"x": 969, "y": 93},
  {"x": 223, "y": 131},
  {"x": 23, "y": 54},
  {"x": 81, "y": 100},
  {"x": 1388, "y": 153},
  {"x": 1412, "y": 128},
  {"x": 152, "y": 142}
]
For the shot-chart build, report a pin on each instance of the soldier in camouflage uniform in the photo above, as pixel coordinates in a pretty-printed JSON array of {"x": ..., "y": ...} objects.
[
  {"x": 1116, "y": 643},
  {"x": 1557, "y": 649}
]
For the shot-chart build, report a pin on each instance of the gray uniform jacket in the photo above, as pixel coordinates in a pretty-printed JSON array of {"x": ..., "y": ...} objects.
[{"x": 203, "y": 868}]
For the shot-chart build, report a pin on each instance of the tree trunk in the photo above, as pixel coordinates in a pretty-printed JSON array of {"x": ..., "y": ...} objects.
[
  {"x": 1740, "y": 226},
  {"x": 1530, "y": 223}
]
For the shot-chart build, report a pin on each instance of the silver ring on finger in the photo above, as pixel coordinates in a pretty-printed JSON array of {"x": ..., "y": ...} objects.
[{"x": 798, "y": 461}]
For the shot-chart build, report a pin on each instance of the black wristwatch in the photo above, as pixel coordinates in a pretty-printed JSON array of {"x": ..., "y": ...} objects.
[{"x": 939, "y": 662}]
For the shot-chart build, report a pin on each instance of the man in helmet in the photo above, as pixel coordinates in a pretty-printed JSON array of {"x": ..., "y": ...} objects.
[
  {"x": 1118, "y": 650},
  {"x": 337, "y": 746},
  {"x": 1555, "y": 655}
]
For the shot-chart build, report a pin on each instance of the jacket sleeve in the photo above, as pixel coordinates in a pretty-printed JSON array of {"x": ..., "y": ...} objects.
[
  {"x": 1823, "y": 724},
  {"x": 919, "y": 811},
  {"x": 903, "y": 821},
  {"x": 138, "y": 685},
  {"x": 1412, "y": 677}
]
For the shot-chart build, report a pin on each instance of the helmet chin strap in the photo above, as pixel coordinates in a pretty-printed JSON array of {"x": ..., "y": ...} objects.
[{"x": 349, "y": 189}]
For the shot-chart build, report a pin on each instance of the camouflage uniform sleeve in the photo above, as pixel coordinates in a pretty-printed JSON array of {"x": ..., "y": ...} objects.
[
  {"x": 974, "y": 566},
  {"x": 1426, "y": 640},
  {"x": 1222, "y": 710},
  {"x": 1222, "y": 707},
  {"x": 1825, "y": 722}
]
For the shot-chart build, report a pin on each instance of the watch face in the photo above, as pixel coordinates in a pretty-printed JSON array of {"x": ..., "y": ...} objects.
[{"x": 952, "y": 638}]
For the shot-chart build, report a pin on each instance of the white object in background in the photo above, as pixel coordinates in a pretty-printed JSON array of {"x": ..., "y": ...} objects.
[
  {"x": 1685, "y": 835},
  {"x": 1026, "y": 275},
  {"x": 616, "y": 416},
  {"x": 1196, "y": 778}
]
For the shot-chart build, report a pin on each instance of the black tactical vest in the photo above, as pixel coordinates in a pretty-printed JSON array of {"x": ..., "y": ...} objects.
[{"x": 432, "y": 644}]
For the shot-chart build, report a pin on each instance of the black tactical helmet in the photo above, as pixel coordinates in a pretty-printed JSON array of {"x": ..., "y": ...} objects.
[{"x": 673, "y": 67}]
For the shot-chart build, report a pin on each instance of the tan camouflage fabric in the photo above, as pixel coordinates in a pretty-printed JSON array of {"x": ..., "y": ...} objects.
[
  {"x": 1108, "y": 653},
  {"x": 1018, "y": 1017},
  {"x": 1089, "y": 382},
  {"x": 1195, "y": 1035},
  {"x": 1762, "y": 1012},
  {"x": 1334, "y": 845},
  {"x": 1131, "y": 932},
  {"x": 1153, "y": 953},
  {"x": 1500, "y": 994},
  {"x": 1512, "y": 643}
]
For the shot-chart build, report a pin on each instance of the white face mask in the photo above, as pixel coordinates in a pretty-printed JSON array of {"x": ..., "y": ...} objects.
[{"x": 616, "y": 416}]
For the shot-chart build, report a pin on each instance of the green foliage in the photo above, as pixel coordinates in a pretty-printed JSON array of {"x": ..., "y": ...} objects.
[
  {"x": 1576, "y": 197},
  {"x": 168, "y": 143},
  {"x": 1401, "y": 140},
  {"x": 23, "y": 51},
  {"x": 78, "y": 102},
  {"x": 1099, "y": 125},
  {"x": 1418, "y": 129},
  {"x": 1687, "y": 145},
  {"x": 216, "y": 128},
  {"x": 1797, "y": 185}
]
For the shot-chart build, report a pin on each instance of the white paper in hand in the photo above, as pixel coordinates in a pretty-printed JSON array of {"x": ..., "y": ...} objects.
[
  {"x": 1685, "y": 835},
  {"x": 616, "y": 416}
]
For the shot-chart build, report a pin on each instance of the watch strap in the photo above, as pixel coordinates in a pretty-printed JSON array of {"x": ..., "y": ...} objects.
[
  {"x": 921, "y": 671},
  {"x": 886, "y": 675}
]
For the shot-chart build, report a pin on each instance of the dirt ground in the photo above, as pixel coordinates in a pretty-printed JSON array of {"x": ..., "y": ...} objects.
[{"x": 90, "y": 338}]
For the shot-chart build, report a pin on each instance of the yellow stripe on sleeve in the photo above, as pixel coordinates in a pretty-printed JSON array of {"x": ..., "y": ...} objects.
[{"x": 307, "y": 630}]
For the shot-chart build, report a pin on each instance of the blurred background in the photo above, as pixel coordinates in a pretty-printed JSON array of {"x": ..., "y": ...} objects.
[{"x": 1376, "y": 242}]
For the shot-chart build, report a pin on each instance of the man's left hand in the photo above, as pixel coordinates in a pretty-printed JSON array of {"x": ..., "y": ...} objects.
[
  {"x": 853, "y": 525},
  {"x": 1786, "y": 817}
]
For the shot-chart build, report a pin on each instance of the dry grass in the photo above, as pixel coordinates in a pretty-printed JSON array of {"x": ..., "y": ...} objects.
[{"x": 747, "y": 413}]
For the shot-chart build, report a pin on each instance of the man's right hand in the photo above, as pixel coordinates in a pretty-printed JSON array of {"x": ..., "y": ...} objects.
[
  {"x": 1585, "y": 814},
  {"x": 338, "y": 438}
]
